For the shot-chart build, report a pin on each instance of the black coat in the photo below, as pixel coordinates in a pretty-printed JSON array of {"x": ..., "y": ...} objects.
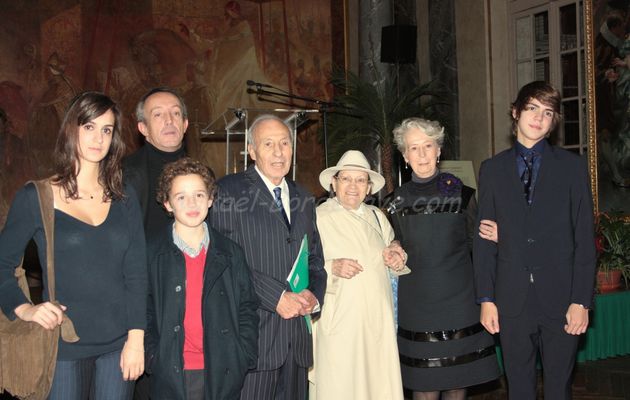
[
  {"x": 135, "y": 173},
  {"x": 230, "y": 321},
  {"x": 141, "y": 170}
]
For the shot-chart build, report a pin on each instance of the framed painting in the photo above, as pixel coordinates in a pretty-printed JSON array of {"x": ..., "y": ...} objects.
[{"x": 608, "y": 102}]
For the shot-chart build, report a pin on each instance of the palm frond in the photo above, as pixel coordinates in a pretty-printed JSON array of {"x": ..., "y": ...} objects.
[{"x": 371, "y": 111}]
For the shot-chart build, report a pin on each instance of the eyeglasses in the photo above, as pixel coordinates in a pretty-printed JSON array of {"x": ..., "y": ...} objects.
[{"x": 346, "y": 180}]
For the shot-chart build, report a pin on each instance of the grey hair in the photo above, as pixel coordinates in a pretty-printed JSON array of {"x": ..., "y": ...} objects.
[
  {"x": 143, "y": 99},
  {"x": 432, "y": 129},
  {"x": 262, "y": 118}
]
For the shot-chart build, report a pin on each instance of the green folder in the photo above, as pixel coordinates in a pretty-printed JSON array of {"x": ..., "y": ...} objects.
[{"x": 298, "y": 277}]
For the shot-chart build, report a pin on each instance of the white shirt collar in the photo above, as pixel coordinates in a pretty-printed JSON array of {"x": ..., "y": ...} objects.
[
  {"x": 270, "y": 186},
  {"x": 284, "y": 193},
  {"x": 184, "y": 247}
]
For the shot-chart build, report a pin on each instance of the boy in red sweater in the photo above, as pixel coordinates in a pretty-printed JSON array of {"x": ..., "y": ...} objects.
[{"x": 203, "y": 327}]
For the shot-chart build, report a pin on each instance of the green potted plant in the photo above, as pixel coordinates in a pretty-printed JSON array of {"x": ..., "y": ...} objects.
[
  {"x": 372, "y": 110},
  {"x": 613, "y": 248}
]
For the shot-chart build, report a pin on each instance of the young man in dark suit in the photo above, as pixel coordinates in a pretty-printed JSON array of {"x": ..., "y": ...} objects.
[
  {"x": 535, "y": 285},
  {"x": 268, "y": 214}
]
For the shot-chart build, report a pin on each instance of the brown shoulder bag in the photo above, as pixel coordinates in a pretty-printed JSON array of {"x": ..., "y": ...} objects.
[{"x": 28, "y": 352}]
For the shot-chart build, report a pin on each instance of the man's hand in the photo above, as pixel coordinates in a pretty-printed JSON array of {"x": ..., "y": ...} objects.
[
  {"x": 577, "y": 320},
  {"x": 489, "y": 317},
  {"x": 489, "y": 230},
  {"x": 311, "y": 300},
  {"x": 345, "y": 267},
  {"x": 46, "y": 314},
  {"x": 291, "y": 305}
]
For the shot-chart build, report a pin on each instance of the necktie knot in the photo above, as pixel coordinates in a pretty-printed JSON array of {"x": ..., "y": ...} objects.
[{"x": 528, "y": 157}]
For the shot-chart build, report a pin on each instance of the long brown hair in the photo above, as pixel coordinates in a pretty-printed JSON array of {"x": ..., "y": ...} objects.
[{"x": 84, "y": 108}]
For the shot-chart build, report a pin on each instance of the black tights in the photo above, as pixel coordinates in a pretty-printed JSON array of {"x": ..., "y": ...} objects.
[{"x": 454, "y": 394}]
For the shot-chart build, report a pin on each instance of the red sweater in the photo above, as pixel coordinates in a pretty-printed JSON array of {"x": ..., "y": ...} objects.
[{"x": 193, "y": 328}]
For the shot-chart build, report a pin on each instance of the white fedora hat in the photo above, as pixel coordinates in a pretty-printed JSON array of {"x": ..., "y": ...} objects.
[{"x": 352, "y": 160}]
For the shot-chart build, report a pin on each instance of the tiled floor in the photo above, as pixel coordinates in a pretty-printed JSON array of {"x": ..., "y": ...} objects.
[{"x": 594, "y": 380}]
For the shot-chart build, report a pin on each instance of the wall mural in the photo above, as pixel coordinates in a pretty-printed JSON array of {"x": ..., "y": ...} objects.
[{"x": 206, "y": 49}]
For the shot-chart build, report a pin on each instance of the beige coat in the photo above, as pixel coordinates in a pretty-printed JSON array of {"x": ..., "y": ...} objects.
[{"x": 356, "y": 354}]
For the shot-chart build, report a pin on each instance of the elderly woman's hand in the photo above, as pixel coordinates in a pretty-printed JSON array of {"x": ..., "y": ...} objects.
[
  {"x": 489, "y": 230},
  {"x": 394, "y": 256},
  {"x": 346, "y": 268}
]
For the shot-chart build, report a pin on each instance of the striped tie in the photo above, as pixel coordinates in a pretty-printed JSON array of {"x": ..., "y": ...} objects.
[
  {"x": 277, "y": 191},
  {"x": 527, "y": 176}
]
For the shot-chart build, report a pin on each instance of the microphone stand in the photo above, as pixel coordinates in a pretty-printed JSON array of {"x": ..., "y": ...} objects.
[{"x": 323, "y": 106}]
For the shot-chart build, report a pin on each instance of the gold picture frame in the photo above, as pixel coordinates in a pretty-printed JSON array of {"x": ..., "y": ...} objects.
[{"x": 607, "y": 105}]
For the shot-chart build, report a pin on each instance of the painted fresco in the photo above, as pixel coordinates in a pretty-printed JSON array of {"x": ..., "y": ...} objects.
[{"x": 51, "y": 50}]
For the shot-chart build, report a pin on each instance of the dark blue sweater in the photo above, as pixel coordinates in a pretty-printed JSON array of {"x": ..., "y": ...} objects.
[{"x": 100, "y": 270}]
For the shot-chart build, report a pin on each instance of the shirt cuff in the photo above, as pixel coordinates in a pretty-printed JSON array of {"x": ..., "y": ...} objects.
[{"x": 485, "y": 300}]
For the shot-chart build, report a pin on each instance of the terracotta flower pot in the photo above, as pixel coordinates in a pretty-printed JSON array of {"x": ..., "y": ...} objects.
[{"x": 609, "y": 281}]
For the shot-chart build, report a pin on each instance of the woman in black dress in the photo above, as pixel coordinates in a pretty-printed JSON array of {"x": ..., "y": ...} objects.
[{"x": 443, "y": 347}]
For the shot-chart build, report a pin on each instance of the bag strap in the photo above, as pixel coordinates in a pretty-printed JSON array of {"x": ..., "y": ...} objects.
[
  {"x": 47, "y": 209},
  {"x": 377, "y": 221},
  {"x": 380, "y": 227}
]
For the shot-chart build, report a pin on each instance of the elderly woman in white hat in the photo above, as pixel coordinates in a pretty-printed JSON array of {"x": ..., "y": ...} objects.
[{"x": 356, "y": 355}]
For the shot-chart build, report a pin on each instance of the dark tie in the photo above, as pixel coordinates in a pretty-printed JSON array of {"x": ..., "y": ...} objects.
[
  {"x": 528, "y": 175},
  {"x": 277, "y": 191}
]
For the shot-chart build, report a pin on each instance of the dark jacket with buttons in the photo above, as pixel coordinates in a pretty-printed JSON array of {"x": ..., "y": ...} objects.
[
  {"x": 549, "y": 245},
  {"x": 230, "y": 321}
]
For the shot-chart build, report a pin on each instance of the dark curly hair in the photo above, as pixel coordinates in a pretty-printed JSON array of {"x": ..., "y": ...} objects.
[
  {"x": 84, "y": 108},
  {"x": 184, "y": 166}
]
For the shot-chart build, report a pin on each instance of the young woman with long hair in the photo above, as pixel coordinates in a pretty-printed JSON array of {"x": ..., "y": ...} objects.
[{"x": 99, "y": 252}]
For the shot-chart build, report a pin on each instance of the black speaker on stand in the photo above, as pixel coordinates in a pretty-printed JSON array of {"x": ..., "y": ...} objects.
[{"x": 398, "y": 44}]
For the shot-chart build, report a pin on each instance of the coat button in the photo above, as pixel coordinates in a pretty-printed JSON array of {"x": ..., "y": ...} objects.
[
  {"x": 176, "y": 369},
  {"x": 227, "y": 371},
  {"x": 178, "y": 288},
  {"x": 176, "y": 329},
  {"x": 224, "y": 331},
  {"x": 530, "y": 240},
  {"x": 222, "y": 293}
]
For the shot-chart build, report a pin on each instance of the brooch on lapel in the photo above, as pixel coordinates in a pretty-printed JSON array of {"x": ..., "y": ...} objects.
[{"x": 449, "y": 185}]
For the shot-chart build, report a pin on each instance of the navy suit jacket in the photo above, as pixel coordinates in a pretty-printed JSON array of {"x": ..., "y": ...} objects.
[
  {"x": 244, "y": 210},
  {"x": 551, "y": 241}
]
